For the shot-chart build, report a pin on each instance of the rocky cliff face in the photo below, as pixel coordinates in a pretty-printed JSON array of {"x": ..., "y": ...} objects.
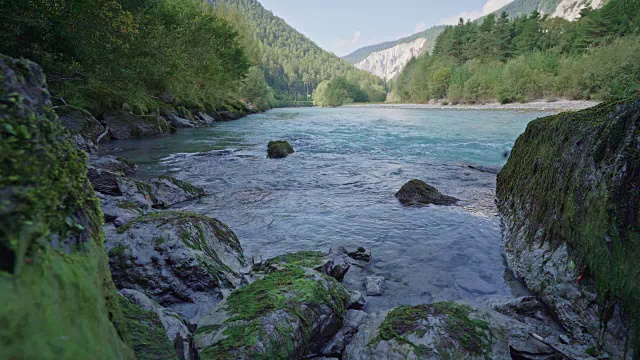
[
  {"x": 57, "y": 296},
  {"x": 390, "y": 62},
  {"x": 569, "y": 197},
  {"x": 570, "y": 9}
]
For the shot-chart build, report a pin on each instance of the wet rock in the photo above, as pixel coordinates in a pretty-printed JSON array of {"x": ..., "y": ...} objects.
[
  {"x": 374, "y": 285},
  {"x": 417, "y": 192},
  {"x": 279, "y": 149},
  {"x": 356, "y": 300},
  {"x": 126, "y": 125},
  {"x": 146, "y": 330},
  {"x": 85, "y": 129},
  {"x": 336, "y": 265},
  {"x": 58, "y": 299},
  {"x": 114, "y": 164},
  {"x": 159, "y": 193},
  {"x": 287, "y": 314},
  {"x": 360, "y": 253},
  {"x": 175, "y": 328},
  {"x": 105, "y": 181},
  {"x": 118, "y": 210},
  {"x": 353, "y": 319},
  {"x": 185, "y": 261},
  {"x": 445, "y": 330},
  {"x": 569, "y": 211}
]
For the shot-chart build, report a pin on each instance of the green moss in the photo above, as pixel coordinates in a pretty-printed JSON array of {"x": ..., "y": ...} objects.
[
  {"x": 472, "y": 336},
  {"x": 292, "y": 289},
  {"x": 148, "y": 335},
  {"x": 309, "y": 259},
  {"x": 130, "y": 206},
  {"x": 578, "y": 174},
  {"x": 187, "y": 187},
  {"x": 56, "y": 290},
  {"x": 279, "y": 149}
]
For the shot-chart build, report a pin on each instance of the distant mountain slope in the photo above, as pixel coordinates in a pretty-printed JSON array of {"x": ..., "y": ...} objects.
[
  {"x": 385, "y": 58},
  {"x": 293, "y": 64}
]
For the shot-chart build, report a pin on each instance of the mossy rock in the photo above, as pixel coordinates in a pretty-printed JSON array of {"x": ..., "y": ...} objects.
[
  {"x": 84, "y": 128},
  {"x": 279, "y": 149},
  {"x": 570, "y": 191},
  {"x": 183, "y": 260},
  {"x": 147, "y": 332},
  {"x": 57, "y": 296},
  {"x": 126, "y": 125},
  {"x": 417, "y": 192},
  {"x": 290, "y": 313}
]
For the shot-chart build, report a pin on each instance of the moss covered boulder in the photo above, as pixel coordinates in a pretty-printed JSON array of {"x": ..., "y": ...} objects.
[
  {"x": 289, "y": 313},
  {"x": 185, "y": 261},
  {"x": 418, "y": 192},
  {"x": 147, "y": 332},
  {"x": 447, "y": 330},
  {"x": 84, "y": 128},
  {"x": 279, "y": 149},
  {"x": 569, "y": 197},
  {"x": 126, "y": 125},
  {"x": 56, "y": 293}
]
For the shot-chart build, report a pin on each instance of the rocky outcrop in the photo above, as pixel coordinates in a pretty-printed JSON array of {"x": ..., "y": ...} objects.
[
  {"x": 174, "y": 328},
  {"x": 417, "y": 192},
  {"x": 184, "y": 261},
  {"x": 288, "y": 313},
  {"x": 147, "y": 332},
  {"x": 57, "y": 296},
  {"x": 85, "y": 129},
  {"x": 279, "y": 149},
  {"x": 389, "y": 62},
  {"x": 571, "y": 9},
  {"x": 570, "y": 204},
  {"x": 127, "y": 125},
  {"x": 449, "y": 330}
]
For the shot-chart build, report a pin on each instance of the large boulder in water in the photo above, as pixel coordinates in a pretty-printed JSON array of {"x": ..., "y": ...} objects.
[
  {"x": 185, "y": 261},
  {"x": 279, "y": 149},
  {"x": 58, "y": 299},
  {"x": 417, "y": 192},
  {"x": 291, "y": 312},
  {"x": 569, "y": 197}
]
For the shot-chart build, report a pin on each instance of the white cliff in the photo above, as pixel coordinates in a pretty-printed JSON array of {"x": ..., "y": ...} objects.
[
  {"x": 570, "y": 9},
  {"x": 390, "y": 62}
]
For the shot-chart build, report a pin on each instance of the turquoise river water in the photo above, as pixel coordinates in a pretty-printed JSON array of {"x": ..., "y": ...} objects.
[{"x": 338, "y": 188}]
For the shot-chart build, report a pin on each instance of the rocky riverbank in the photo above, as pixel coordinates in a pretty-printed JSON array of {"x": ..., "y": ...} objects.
[
  {"x": 143, "y": 279},
  {"x": 551, "y": 106}
]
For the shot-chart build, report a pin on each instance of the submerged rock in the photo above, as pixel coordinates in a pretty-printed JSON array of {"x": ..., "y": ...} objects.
[
  {"x": 58, "y": 299},
  {"x": 279, "y": 149},
  {"x": 287, "y": 314},
  {"x": 417, "y": 192},
  {"x": 85, "y": 129},
  {"x": 446, "y": 330},
  {"x": 160, "y": 193},
  {"x": 185, "y": 261},
  {"x": 569, "y": 199},
  {"x": 175, "y": 329},
  {"x": 374, "y": 284}
]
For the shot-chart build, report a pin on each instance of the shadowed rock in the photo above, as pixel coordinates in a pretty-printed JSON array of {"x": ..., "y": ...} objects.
[
  {"x": 417, "y": 192},
  {"x": 279, "y": 149}
]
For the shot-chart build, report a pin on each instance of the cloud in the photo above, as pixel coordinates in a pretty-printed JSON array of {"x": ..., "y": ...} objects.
[
  {"x": 489, "y": 7},
  {"x": 420, "y": 27},
  {"x": 342, "y": 46}
]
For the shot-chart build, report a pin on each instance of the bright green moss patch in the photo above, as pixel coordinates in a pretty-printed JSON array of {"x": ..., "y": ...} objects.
[
  {"x": 187, "y": 187},
  {"x": 471, "y": 336},
  {"x": 576, "y": 177},
  {"x": 147, "y": 333},
  {"x": 309, "y": 259},
  {"x": 57, "y": 296}
]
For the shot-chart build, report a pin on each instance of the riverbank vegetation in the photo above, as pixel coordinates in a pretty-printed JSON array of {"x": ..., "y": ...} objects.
[
  {"x": 340, "y": 91},
  {"x": 529, "y": 58}
]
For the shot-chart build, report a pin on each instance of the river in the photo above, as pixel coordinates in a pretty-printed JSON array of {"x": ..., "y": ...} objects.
[{"x": 338, "y": 188}]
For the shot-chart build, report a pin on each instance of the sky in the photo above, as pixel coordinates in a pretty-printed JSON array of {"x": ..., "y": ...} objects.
[{"x": 342, "y": 26}]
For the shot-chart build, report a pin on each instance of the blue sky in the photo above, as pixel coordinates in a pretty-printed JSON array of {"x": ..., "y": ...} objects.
[{"x": 342, "y": 26}]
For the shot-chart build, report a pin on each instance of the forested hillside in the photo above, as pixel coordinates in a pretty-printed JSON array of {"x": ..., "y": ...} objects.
[
  {"x": 292, "y": 63},
  {"x": 530, "y": 57}
]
